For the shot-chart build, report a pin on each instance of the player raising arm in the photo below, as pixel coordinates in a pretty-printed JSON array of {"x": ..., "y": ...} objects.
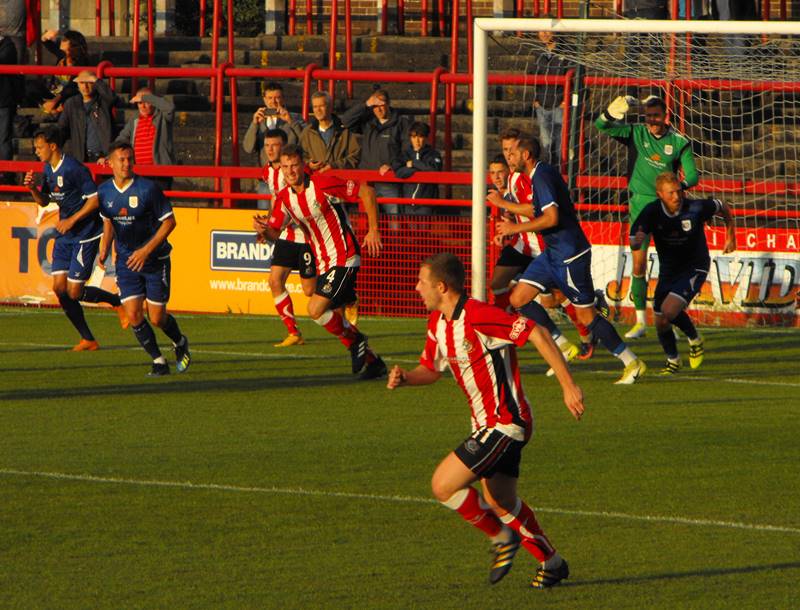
[
  {"x": 653, "y": 147},
  {"x": 477, "y": 342},
  {"x": 677, "y": 227}
]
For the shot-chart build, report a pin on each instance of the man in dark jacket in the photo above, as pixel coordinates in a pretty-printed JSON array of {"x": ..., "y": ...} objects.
[
  {"x": 8, "y": 103},
  {"x": 86, "y": 120},
  {"x": 384, "y": 133},
  {"x": 418, "y": 156}
]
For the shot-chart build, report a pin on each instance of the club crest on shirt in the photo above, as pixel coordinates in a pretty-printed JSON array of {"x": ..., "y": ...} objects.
[
  {"x": 60, "y": 180},
  {"x": 133, "y": 201},
  {"x": 351, "y": 187},
  {"x": 686, "y": 224},
  {"x": 517, "y": 328},
  {"x": 668, "y": 149},
  {"x": 467, "y": 346}
]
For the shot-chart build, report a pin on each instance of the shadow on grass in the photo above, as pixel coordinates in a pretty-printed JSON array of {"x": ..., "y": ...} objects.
[
  {"x": 182, "y": 385},
  {"x": 680, "y": 575}
]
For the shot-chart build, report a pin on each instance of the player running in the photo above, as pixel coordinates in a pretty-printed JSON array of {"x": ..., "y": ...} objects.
[
  {"x": 314, "y": 202},
  {"x": 69, "y": 184},
  {"x": 566, "y": 262},
  {"x": 137, "y": 218},
  {"x": 290, "y": 251},
  {"x": 677, "y": 227},
  {"x": 652, "y": 148},
  {"x": 477, "y": 342}
]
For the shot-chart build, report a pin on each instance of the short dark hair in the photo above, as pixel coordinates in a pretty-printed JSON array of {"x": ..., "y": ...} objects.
[
  {"x": 272, "y": 86},
  {"x": 382, "y": 93},
  {"x": 115, "y": 146},
  {"x": 76, "y": 39},
  {"x": 499, "y": 159},
  {"x": 292, "y": 150},
  {"x": 510, "y": 133},
  {"x": 532, "y": 146},
  {"x": 277, "y": 133},
  {"x": 654, "y": 101},
  {"x": 418, "y": 128},
  {"x": 447, "y": 268},
  {"x": 50, "y": 134}
]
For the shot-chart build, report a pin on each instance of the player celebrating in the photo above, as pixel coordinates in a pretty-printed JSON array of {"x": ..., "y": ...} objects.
[
  {"x": 477, "y": 342},
  {"x": 676, "y": 225},
  {"x": 291, "y": 250},
  {"x": 138, "y": 219},
  {"x": 69, "y": 184},
  {"x": 566, "y": 262},
  {"x": 314, "y": 203},
  {"x": 653, "y": 148}
]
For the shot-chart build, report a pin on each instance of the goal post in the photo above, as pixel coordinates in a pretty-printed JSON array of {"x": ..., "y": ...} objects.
[{"x": 703, "y": 80}]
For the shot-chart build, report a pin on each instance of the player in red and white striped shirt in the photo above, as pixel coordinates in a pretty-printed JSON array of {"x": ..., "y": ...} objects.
[
  {"x": 314, "y": 202},
  {"x": 291, "y": 250},
  {"x": 476, "y": 341}
]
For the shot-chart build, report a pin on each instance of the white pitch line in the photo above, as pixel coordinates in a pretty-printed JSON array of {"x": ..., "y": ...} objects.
[{"x": 299, "y": 491}]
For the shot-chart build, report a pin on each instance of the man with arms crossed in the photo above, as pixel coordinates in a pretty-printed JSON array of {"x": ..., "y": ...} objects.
[
  {"x": 477, "y": 341},
  {"x": 138, "y": 218},
  {"x": 677, "y": 227}
]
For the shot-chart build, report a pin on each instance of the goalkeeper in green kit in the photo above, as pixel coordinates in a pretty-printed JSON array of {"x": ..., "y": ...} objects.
[{"x": 653, "y": 148}]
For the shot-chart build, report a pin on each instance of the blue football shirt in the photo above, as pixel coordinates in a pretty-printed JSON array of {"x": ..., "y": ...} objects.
[{"x": 69, "y": 185}]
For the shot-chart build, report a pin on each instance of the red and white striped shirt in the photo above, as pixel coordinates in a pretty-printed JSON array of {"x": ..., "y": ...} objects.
[
  {"x": 317, "y": 211},
  {"x": 273, "y": 176},
  {"x": 478, "y": 346},
  {"x": 520, "y": 191}
]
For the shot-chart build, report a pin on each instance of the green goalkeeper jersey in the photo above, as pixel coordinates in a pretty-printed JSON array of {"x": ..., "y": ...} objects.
[{"x": 648, "y": 156}]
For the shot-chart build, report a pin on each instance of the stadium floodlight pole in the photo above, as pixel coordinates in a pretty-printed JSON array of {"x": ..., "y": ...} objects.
[{"x": 482, "y": 27}]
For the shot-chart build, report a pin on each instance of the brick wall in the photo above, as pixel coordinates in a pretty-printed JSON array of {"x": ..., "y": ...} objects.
[{"x": 366, "y": 13}]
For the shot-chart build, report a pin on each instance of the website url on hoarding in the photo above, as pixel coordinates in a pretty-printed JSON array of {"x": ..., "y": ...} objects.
[{"x": 240, "y": 285}]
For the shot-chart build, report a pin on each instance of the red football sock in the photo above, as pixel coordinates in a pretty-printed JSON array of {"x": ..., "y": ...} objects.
[
  {"x": 335, "y": 324},
  {"x": 569, "y": 309},
  {"x": 470, "y": 505},
  {"x": 523, "y": 521},
  {"x": 285, "y": 308}
]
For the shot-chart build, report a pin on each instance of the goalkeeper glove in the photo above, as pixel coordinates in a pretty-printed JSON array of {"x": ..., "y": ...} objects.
[{"x": 620, "y": 106}]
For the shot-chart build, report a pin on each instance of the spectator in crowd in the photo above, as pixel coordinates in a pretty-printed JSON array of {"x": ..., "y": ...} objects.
[
  {"x": 13, "y": 22},
  {"x": 70, "y": 50},
  {"x": 384, "y": 133},
  {"x": 326, "y": 143},
  {"x": 548, "y": 101},
  {"x": 742, "y": 10},
  {"x": 150, "y": 133},
  {"x": 418, "y": 156},
  {"x": 637, "y": 44},
  {"x": 86, "y": 120},
  {"x": 272, "y": 115},
  {"x": 8, "y": 104}
]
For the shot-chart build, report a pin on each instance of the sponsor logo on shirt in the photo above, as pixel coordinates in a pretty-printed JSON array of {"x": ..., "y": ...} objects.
[{"x": 519, "y": 326}]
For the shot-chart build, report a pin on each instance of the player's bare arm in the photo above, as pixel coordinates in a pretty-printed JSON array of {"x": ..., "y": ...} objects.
[
  {"x": 89, "y": 207},
  {"x": 372, "y": 240},
  {"x": 573, "y": 395},
  {"x": 418, "y": 376},
  {"x": 495, "y": 199},
  {"x": 106, "y": 241},
  {"x": 30, "y": 183},
  {"x": 730, "y": 228},
  {"x": 504, "y": 228},
  {"x": 137, "y": 260},
  {"x": 637, "y": 239}
]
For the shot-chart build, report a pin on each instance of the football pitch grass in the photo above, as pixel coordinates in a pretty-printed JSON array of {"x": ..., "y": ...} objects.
[{"x": 267, "y": 478}]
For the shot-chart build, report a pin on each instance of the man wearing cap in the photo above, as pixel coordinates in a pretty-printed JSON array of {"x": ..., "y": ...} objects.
[{"x": 86, "y": 120}]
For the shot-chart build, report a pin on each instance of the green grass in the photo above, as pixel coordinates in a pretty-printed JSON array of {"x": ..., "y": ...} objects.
[{"x": 717, "y": 444}]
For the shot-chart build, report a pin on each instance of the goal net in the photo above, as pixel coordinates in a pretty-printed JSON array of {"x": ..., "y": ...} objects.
[{"x": 731, "y": 88}]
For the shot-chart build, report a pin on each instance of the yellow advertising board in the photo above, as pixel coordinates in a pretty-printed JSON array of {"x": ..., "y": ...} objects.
[{"x": 217, "y": 265}]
